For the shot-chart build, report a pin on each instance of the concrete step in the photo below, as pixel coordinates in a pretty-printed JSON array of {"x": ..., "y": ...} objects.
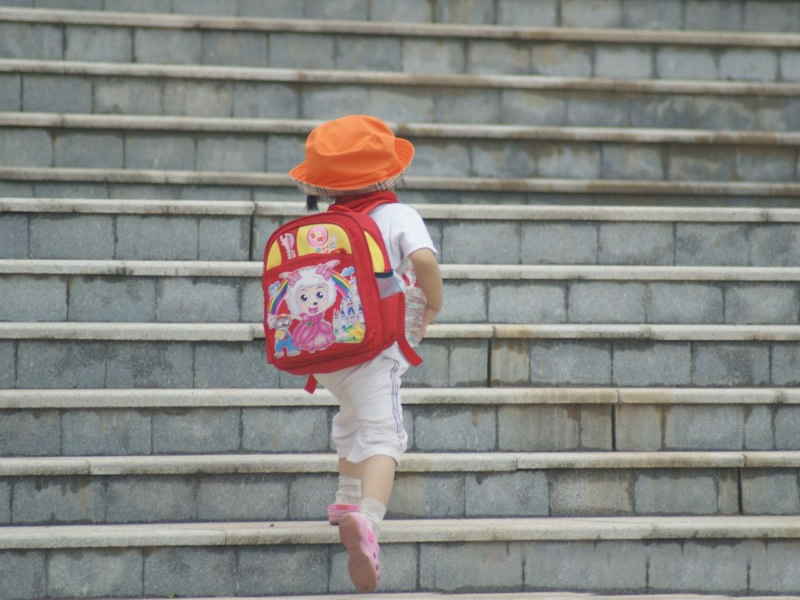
[
  {"x": 393, "y": 46},
  {"x": 228, "y": 230},
  {"x": 248, "y": 186},
  {"x": 189, "y": 90},
  {"x": 728, "y": 555},
  {"x": 737, "y": 15},
  {"x": 96, "y": 355},
  {"x": 509, "y": 152},
  {"x": 147, "y": 421},
  {"x": 130, "y": 489},
  {"x": 193, "y": 291}
]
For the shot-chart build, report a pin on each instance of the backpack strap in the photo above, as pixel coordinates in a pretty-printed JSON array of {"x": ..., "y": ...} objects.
[
  {"x": 311, "y": 384},
  {"x": 409, "y": 353},
  {"x": 363, "y": 203}
]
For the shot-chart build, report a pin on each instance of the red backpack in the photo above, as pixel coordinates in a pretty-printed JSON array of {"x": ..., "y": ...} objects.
[{"x": 330, "y": 298}]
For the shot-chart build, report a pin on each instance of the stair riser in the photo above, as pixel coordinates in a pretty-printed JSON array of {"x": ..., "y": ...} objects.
[
  {"x": 413, "y": 54},
  {"x": 720, "y": 566},
  {"x": 456, "y": 428},
  {"x": 57, "y": 93},
  {"x": 448, "y": 363},
  {"x": 45, "y": 147},
  {"x": 189, "y": 237},
  {"x": 233, "y": 299},
  {"x": 298, "y": 496}
]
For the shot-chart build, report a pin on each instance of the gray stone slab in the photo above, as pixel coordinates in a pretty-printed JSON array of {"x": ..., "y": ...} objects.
[
  {"x": 231, "y": 153},
  {"x": 659, "y": 492},
  {"x": 145, "y": 364},
  {"x": 88, "y": 150},
  {"x": 468, "y": 106},
  {"x": 774, "y": 245},
  {"x": 44, "y": 501},
  {"x": 10, "y": 92},
  {"x": 639, "y": 428},
  {"x": 493, "y": 57},
  {"x": 112, "y": 299},
  {"x": 477, "y": 12},
  {"x": 362, "y": 53},
  {"x": 648, "y": 364},
  {"x": 606, "y": 302},
  {"x": 759, "y": 433},
  {"x": 778, "y": 304},
  {"x": 522, "y": 13},
  {"x": 156, "y": 237},
  {"x": 151, "y": 499},
  {"x": 186, "y": 300},
  {"x": 8, "y": 360},
  {"x": 586, "y": 566},
  {"x": 286, "y": 430},
  {"x": 61, "y": 364},
  {"x": 570, "y": 363},
  {"x": 775, "y": 492},
  {"x": 748, "y": 64},
  {"x": 246, "y": 49},
  {"x": 190, "y": 571},
  {"x": 525, "y": 106},
  {"x": 104, "y": 44},
  {"x": 106, "y": 432},
  {"x": 712, "y": 15},
  {"x": 173, "y": 152},
  {"x": 559, "y": 243},
  {"x": 284, "y": 569},
  {"x": 636, "y": 243},
  {"x": 298, "y": 51},
  {"x": 711, "y": 244},
  {"x": 674, "y": 62},
  {"x": 188, "y": 431},
  {"x": 433, "y": 56},
  {"x": 596, "y": 493},
  {"x": 458, "y": 243},
  {"x": 623, "y": 62},
  {"x": 684, "y": 303},
  {"x": 24, "y": 574},
  {"x": 120, "y": 96},
  {"x": 75, "y": 237},
  {"x": 457, "y": 567},
  {"x": 538, "y": 428},
  {"x": 426, "y": 496},
  {"x": 31, "y": 41},
  {"x": 703, "y": 427},
  {"x": 771, "y": 570},
  {"x": 787, "y": 427},
  {"x": 508, "y": 494},
  {"x": 30, "y": 433},
  {"x": 730, "y": 364},
  {"x": 233, "y": 365},
  {"x": 28, "y": 298},
  {"x": 461, "y": 428},
  {"x": 198, "y": 98},
  {"x": 700, "y": 566},
  {"x": 168, "y": 46},
  {"x": 264, "y": 100},
  {"x": 26, "y": 148},
  {"x": 591, "y": 13},
  {"x": 109, "y": 572},
  {"x": 55, "y": 93},
  {"x": 526, "y": 303}
]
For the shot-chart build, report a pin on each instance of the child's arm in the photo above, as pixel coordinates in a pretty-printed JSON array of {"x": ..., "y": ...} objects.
[{"x": 430, "y": 282}]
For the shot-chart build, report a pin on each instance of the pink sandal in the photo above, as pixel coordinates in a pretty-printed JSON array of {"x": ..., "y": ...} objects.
[
  {"x": 337, "y": 511},
  {"x": 363, "y": 552}
]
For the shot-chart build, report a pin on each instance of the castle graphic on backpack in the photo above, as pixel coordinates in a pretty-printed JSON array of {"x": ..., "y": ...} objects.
[{"x": 330, "y": 298}]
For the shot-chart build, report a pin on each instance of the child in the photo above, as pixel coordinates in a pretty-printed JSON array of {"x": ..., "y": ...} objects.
[{"x": 356, "y": 161}]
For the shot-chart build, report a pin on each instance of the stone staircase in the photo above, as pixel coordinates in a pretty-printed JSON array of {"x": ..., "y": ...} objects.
[{"x": 609, "y": 402}]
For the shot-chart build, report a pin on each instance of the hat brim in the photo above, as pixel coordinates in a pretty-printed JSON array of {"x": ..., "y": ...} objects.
[{"x": 405, "y": 154}]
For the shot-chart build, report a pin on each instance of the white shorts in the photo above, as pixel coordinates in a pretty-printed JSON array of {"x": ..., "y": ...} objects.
[{"x": 370, "y": 417}]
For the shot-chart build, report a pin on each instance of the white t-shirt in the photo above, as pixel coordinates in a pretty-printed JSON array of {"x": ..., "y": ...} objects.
[{"x": 403, "y": 231}]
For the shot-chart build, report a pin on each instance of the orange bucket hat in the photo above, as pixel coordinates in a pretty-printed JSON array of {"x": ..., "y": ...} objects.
[{"x": 355, "y": 154}]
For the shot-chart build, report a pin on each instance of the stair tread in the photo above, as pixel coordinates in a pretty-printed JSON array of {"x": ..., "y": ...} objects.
[
  {"x": 404, "y": 531},
  {"x": 413, "y": 462}
]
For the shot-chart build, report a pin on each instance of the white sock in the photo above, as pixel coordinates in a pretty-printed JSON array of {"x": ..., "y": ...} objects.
[
  {"x": 374, "y": 510},
  {"x": 349, "y": 491}
]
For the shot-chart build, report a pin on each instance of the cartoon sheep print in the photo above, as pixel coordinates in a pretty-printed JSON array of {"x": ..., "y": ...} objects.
[{"x": 308, "y": 294}]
